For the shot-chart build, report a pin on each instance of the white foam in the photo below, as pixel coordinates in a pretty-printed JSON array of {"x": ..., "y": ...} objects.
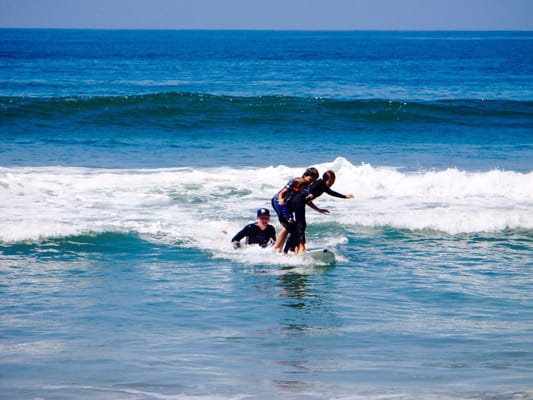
[
  {"x": 35, "y": 348},
  {"x": 194, "y": 207},
  {"x": 141, "y": 394},
  {"x": 451, "y": 201}
]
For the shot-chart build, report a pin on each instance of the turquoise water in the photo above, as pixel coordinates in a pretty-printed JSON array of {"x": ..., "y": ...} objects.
[{"x": 128, "y": 159}]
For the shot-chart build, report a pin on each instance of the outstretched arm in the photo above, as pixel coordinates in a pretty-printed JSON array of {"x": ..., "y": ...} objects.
[
  {"x": 337, "y": 194},
  {"x": 314, "y": 207}
]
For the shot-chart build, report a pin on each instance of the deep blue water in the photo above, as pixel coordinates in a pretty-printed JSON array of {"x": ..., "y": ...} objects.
[{"x": 129, "y": 158}]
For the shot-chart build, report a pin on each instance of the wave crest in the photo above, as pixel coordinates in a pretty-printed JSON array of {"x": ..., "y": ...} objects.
[{"x": 201, "y": 207}]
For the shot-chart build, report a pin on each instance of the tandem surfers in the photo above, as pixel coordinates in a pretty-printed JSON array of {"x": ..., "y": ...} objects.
[
  {"x": 260, "y": 232},
  {"x": 296, "y": 241},
  {"x": 281, "y": 203}
]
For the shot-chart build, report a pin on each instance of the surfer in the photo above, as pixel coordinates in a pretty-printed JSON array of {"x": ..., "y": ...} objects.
[
  {"x": 298, "y": 202},
  {"x": 260, "y": 232},
  {"x": 281, "y": 203}
]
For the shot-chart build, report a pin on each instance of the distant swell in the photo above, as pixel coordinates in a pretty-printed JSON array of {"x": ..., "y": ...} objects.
[{"x": 192, "y": 110}]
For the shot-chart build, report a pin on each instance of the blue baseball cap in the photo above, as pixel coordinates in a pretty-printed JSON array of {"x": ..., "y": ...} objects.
[{"x": 263, "y": 212}]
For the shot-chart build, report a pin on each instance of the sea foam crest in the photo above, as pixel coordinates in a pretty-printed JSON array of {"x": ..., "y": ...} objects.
[{"x": 203, "y": 208}]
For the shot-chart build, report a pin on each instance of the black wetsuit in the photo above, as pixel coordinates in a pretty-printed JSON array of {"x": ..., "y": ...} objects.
[
  {"x": 298, "y": 203},
  {"x": 255, "y": 235},
  {"x": 284, "y": 212}
]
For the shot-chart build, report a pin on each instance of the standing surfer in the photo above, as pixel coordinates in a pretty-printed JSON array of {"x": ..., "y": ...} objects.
[
  {"x": 282, "y": 200},
  {"x": 298, "y": 202}
]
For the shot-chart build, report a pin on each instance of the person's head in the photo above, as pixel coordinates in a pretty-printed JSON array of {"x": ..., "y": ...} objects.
[
  {"x": 263, "y": 216},
  {"x": 329, "y": 178},
  {"x": 310, "y": 174}
]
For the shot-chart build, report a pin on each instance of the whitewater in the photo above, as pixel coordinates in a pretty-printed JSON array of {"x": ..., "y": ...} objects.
[{"x": 194, "y": 205}]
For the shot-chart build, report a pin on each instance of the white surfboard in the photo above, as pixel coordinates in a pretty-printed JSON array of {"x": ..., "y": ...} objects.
[{"x": 321, "y": 256}]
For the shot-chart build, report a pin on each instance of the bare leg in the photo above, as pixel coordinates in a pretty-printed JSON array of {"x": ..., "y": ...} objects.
[
  {"x": 280, "y": 240},
  {"x": 301, "y": 248}
]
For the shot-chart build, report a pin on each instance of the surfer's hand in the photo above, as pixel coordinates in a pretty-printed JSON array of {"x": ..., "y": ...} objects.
[
  {"x": 323, "y": 211},
  {"x": 349, "y": 196},
  {"x": 236, "y": 245}
]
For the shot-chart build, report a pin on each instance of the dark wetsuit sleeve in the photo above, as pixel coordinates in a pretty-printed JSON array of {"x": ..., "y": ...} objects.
[
  {"x": 334, "y": 193},
  {"x": 320, "y": 187},
  {"x": 242, "y": 233}
]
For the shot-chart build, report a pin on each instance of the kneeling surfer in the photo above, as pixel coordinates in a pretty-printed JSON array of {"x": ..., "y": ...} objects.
[{"x": 260, "y": 232}]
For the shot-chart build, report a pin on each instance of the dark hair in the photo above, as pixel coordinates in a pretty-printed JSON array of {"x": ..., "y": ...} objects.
[
  {"x": 329, "y": 175},
  {"x": 312, "y": 172}
]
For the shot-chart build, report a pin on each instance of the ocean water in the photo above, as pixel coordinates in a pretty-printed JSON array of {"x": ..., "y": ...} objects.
[{"x": 128, "y": 159}]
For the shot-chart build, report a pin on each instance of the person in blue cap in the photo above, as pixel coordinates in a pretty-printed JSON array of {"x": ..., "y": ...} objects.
[{"x": 259, "y": 232}]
